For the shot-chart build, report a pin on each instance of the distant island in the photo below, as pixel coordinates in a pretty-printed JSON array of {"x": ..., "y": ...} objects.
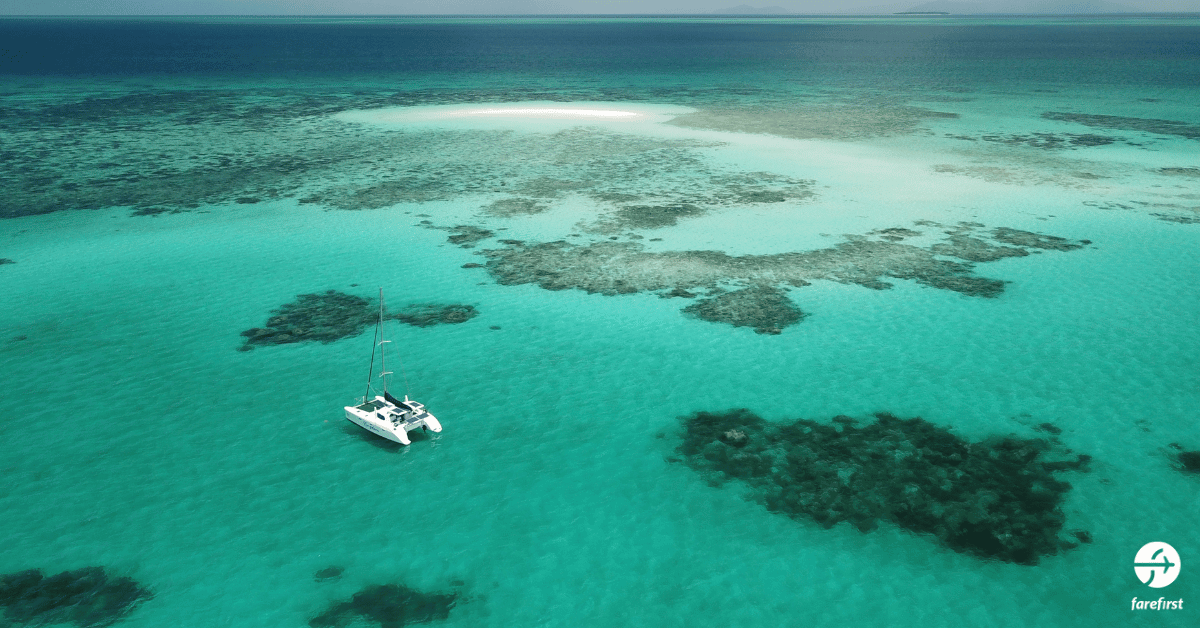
[
  {"x": 745, "y": 9},
  {"x": 1017, "y": 7},
  {"x": 963, "y": 7}
]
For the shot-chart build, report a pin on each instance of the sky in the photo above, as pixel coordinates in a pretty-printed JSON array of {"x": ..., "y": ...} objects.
[{"x": 493, "y": 7}]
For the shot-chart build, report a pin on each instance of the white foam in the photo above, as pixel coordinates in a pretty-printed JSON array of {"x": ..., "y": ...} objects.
[
  {"x": 544, "y": 114},
  {"x": 551, "y": 112}
]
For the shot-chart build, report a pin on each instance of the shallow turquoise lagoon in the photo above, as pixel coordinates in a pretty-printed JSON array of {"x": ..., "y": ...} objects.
[{"x": 990, "y": 251}]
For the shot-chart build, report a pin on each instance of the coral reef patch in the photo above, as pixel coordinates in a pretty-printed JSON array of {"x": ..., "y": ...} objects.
[
  {"x": 612, "y": 268},
  {"x": 515, "y": 206},
  {"x": 1036, "y": 240},
  {"x": 1052, "y": 141},
  {"x": 332, "y": 315},
  {"x": 1187, "y": 212},
  {"x": 467, "y": 236},
  {"x": 765, "y": 308},
  {"x": 996, "y": 499},
  {"x": 429, "y": 314},
  {"x": 235, "y": 148},
  {"x": 324, "y": 317},
  {"x": 1180, "y": 172},
  {"x": 1189, "y": 461},
  {"x": 389, "y": 605},
  {"x": 1145, "y": 125},
  {"x": 837, "y": 120},
  {"x": 89, "y": 597},
  {"x": 329, "y": 573},
  {"x": 5, "y": 260}
]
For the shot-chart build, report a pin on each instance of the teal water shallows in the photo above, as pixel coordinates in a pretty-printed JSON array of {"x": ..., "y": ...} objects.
[{"x": 601, "y": 234}]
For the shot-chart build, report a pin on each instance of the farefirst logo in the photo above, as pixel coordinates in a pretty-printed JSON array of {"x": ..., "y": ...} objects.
[
  {"x": 1157, "y": 565},
  {"x": 1153, "y": 564}
]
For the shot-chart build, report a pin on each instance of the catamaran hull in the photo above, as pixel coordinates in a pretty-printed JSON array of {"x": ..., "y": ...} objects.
[
  {"x": 386, "y": 419},
  {"x": 379, "y": 428}
]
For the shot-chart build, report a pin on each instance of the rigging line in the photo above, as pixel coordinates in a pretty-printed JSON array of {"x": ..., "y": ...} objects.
[
  {"x": 399, "y": 357},
  {"x": 405, "y": 374}
]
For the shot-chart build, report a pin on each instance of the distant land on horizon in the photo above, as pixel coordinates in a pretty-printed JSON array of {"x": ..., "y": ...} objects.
[{"x": 959, "y": 7}]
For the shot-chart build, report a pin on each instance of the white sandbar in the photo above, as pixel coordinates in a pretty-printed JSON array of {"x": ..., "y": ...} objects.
[{"x": 516, "y": 112}]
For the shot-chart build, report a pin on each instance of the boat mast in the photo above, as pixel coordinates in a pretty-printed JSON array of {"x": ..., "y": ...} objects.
[
  {"x": 382, "y": 356},
  {"x": 371, "y": 371}
]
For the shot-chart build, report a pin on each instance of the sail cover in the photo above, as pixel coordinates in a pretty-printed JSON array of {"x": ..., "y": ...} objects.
[{"x": 390, "y": 399}]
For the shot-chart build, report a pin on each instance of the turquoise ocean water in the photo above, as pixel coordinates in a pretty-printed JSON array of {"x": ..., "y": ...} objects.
[{"x": 167, "y": 184}]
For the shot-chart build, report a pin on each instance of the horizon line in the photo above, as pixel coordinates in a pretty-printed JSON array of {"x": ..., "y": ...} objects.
[{"x": 578, "y": 15}]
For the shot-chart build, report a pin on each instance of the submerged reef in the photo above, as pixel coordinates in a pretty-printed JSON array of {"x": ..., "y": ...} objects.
[
  {"x": 997, "y": 498},
  {"x": 1145, "y": 125},
  {"x": 765, "y": 308},
  {"x": 467, "y": 236},
  {"x": 1186, "y": 212},
  {"x": 849, "y": 119},
  {"x": 314, "y": 317},
  {"x": 1189, "y": 461},
  {"x": 757, "y": 300},
  {"x": 241, "y": 147},
  {"x": 1180, "y": 172},
  {"x": 429, "y": 314},
  {"x": 1050, "y": 141},
  {"x": 332, "y": 572},
  {"x": 334, "y": 315},
  {"x": 5, "y": 260},
  {"x": 88, "y": 597},
  {"x": 515, "y": 206},
  {"x": 389, "y": 605}
]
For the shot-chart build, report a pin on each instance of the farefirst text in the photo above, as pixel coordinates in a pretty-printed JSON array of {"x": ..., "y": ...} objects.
[{"x": 1161, "y": 604}]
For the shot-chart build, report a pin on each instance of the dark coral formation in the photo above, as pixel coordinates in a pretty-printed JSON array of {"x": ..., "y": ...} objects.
[
  {"x": 655, "y": 216},
  {"x": 314, "y": 317},
  {"x": 1181, "y": 172},
  {"x": 329, "y": 573},
  {"x": 334, "y": 315},
  {"x": 5, "y": 260},
  {"x": 1052, "y": 141},
  {"x": 1181, "y": 219},
  {"x": 1048, "y": 428},
  {"x": 467, "y": 236},
  {"x": 515, "y": 206},
  {"x": 973, "y": 249},
  {"x": 1183, "y": 213},
  {"x": 1145, "y": 125},
  {"x": 765, "y": 308},
  {"x": 1189, "y": 461},
  {"x": 1036, "y": 240},
  {"x": 429, "y": 314},
  {"x": 613, "y": 268},
  {"x": 87, "y": 597},
  {"x": 689, "y": 197},
  {"x": 894, "y": 234},
  {"x": 998, "y": 498},
  {"x": 389, "y": 605}
]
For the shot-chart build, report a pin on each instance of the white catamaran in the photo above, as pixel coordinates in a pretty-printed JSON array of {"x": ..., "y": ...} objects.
[{"x": 386, "y": 415}]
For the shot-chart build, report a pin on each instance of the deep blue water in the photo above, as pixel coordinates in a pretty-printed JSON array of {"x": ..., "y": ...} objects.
[{"x": 1163, "y": 53}]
